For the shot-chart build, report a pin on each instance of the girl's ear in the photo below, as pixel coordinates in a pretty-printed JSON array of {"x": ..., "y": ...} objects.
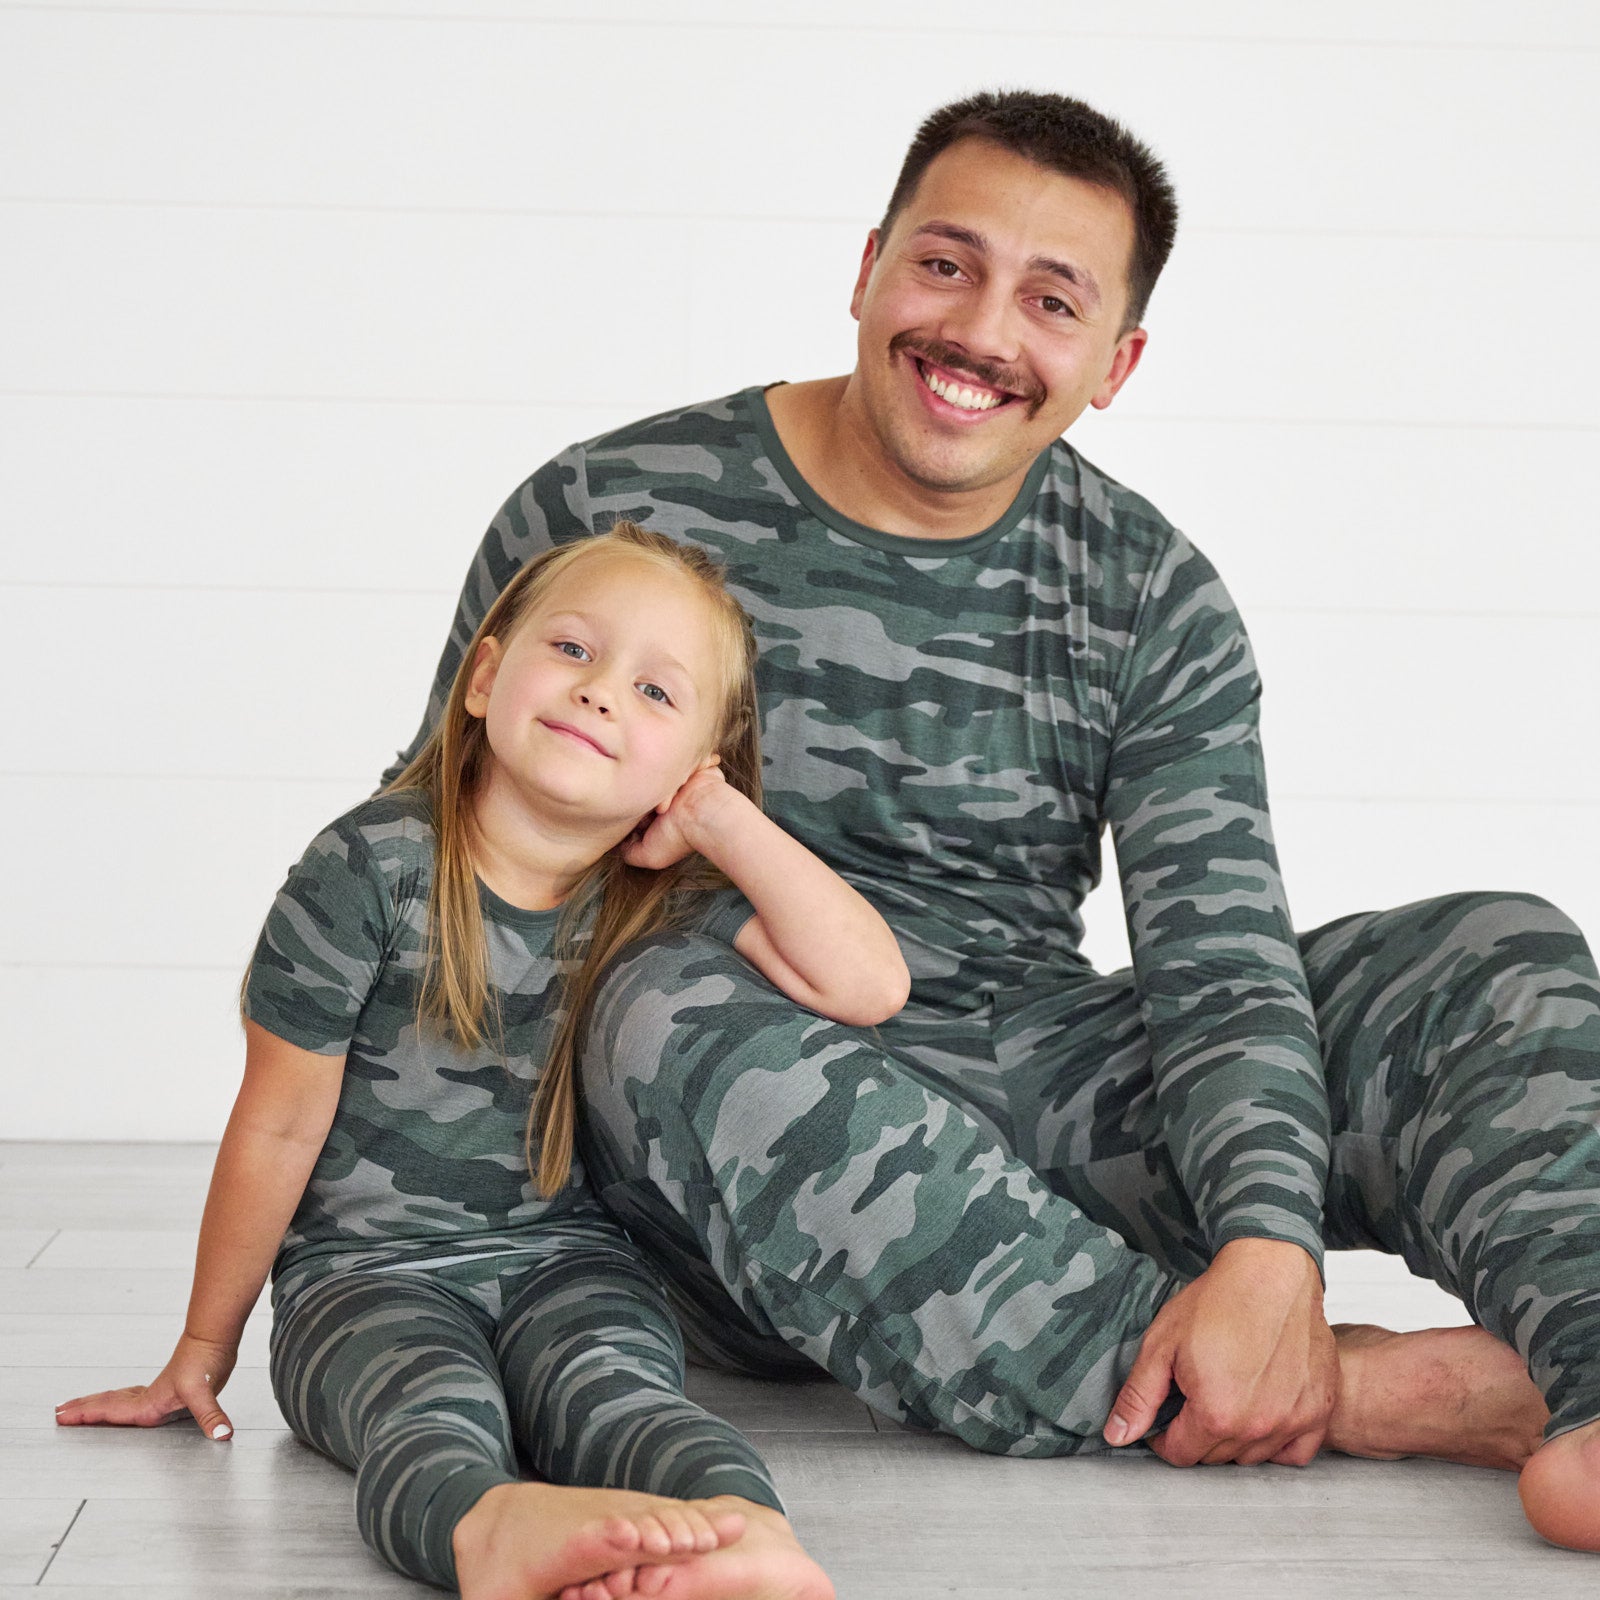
[{"x": 481, "y": 682}]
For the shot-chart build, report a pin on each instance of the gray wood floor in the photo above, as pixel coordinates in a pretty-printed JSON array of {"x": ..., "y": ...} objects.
[{"x": 95, "y": 1247}]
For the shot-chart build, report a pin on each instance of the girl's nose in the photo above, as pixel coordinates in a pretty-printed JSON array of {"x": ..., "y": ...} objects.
[{"x": 596, "y": 701}]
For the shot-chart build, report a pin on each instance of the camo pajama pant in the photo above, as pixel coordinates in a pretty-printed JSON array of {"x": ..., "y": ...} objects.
[
  {"x": 970, "y": 1221},
  {"x": 429, "y": 1382}
]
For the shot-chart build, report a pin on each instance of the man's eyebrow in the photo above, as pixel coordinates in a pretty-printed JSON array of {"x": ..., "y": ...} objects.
[
  {"x": 1080, "y": 278},
  {"x": 956, "y": 233}
]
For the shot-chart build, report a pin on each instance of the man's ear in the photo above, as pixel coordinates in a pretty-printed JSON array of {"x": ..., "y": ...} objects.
[
  {"x": 1129, "y": 348},
  {"x": 484, "y": 668},
  {"x": 868, "y": 257}
]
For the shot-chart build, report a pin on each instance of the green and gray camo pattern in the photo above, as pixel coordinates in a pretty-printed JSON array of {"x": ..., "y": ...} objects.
[
  {"x": 952, "y": 725},
  {"x": 971, "y": 1216},
  {"x": 990, "y": 1273},
  {"x": 433, "y": 1386},
  {"x": 432, "y": 1315},
  {"x": 424, "y": 1159}
]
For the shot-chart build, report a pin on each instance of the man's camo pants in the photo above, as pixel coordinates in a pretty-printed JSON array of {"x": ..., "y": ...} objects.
[
  {"x": 971, "y": 1221},
  {"x": 431, "y": 1382}
]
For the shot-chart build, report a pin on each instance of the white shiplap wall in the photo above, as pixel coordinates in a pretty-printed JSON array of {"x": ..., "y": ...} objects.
[{"x": 296, "y": 293}]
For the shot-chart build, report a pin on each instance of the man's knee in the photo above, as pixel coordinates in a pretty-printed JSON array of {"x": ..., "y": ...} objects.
[
  {"x": 1498, "y": 935},
  {"x": 1506, "y": 913},
  {"x": 1477, "y": 931}
]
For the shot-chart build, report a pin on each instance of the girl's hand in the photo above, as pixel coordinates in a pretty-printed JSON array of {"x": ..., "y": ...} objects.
[
  {"x": 189, "y": 1382},
  {"x": 664, "y": 837}
]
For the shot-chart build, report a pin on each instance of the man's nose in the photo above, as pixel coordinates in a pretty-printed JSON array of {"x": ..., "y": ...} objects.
[{"x": 985, "y": 324}]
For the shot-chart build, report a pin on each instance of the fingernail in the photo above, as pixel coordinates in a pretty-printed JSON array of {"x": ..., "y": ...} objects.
[
  {"x": 1117, "y": 1429},
  {"x": 222, "y": 1431}
]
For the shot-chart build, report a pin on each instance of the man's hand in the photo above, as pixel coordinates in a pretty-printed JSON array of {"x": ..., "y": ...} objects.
[{"x": 1247, "y": 1344}]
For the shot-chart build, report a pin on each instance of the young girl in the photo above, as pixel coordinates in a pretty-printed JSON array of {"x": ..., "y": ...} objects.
[{"x": 434, "y": 1312}]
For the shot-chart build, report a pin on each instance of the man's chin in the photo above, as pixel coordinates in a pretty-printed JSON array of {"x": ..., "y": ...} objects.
[{"x": 965, "y": 472}]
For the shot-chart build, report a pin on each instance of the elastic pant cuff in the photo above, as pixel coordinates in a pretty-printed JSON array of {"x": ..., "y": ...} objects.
[{"x": 454, "y": 1498}]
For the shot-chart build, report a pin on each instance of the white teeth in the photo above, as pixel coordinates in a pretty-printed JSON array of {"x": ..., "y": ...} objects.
[{"x": 953, "y": 394}]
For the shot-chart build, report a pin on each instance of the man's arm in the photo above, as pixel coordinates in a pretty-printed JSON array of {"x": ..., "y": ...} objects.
[
  {"x": 1237, "y": 1067},
  {"x": 549, "y": 508},
  {"x": 1222, "y": 991}
]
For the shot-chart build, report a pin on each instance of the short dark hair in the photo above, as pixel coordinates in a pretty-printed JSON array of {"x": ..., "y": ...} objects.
[{"x": 1069, "y": 137}]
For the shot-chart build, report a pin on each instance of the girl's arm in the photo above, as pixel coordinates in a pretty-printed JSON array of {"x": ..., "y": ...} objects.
[
  {"x": 812, "y": 935},
  {"x": 280, "y": 1119}
]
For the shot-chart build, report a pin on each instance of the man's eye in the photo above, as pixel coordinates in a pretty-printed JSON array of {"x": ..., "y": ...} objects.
[
  {"x": 1056, "y": 306},
  {"x": 568, "y": 648},
  {"x": 945, "y": 268},
  {"x": 654, "y": 691}
]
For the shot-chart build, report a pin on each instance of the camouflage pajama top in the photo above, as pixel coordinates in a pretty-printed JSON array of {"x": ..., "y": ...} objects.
[
  {"x": 952, "y": 724},
  {"x": 424, "y": 1162}
]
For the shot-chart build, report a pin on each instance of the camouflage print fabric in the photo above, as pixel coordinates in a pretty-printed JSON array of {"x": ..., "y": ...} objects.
[
  {"x": 436, "y": 1385},
  {"x": 424, "y": 1159},
  {"x": 989, "y": 1272},
  {"x": 971, "y": 1216},
  {"x": 430, "y": 1310},
  {"x": 950, "y": 724}
]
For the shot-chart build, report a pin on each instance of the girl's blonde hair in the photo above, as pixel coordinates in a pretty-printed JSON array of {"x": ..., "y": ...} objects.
[{"x": 628, "y": 903}]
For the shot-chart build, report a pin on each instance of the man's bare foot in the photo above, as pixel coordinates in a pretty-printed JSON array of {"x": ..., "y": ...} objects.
[
  {"x": 1454, "y": 1393},
  {"x": 527, "y": 1540},
  {"x": 1560, "y": 1488},
  {"x": 766, "y": 1564}
]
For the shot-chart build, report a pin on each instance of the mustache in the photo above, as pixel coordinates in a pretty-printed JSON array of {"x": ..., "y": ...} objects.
[{"x": 989, "y": 373}]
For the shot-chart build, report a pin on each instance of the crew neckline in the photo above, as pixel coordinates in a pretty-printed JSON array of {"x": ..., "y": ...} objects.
[
  {"x": 503, "y": 911},
  {"x": 876, "y": 538}
]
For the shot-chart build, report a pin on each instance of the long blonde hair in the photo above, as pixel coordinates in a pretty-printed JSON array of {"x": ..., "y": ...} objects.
[{"x": 628, "y": 903}]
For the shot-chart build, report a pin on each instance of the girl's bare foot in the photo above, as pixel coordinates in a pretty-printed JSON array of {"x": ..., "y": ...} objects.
[
  {"x": 1454, "y": 1393},
  {"x": 1560, "y": 1488},
  {"x": 766, "y": 1564},
  {"x": 526, "y": 1540}
]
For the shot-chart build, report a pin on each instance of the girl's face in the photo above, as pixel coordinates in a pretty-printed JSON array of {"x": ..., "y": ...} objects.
[{"x": 608, "y": 694}]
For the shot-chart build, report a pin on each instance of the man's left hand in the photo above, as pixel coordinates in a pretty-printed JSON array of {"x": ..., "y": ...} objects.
[{"x": 1249, "y": 1347}]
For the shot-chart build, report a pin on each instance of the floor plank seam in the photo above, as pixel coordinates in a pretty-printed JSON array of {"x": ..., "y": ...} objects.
[
  {"x": 55, "y": 1549},
  {"x": 45, "y": 1246}
]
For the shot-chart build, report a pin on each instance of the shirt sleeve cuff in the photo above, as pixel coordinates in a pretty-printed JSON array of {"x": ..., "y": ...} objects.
[
  {"x": 726, "y": 914},
  {"x": 1261, "y": 1222}
]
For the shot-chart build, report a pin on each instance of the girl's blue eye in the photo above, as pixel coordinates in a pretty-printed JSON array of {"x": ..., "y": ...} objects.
[
  {"x": 654, "y": 691},
  {"x": 576, "y": 651}
]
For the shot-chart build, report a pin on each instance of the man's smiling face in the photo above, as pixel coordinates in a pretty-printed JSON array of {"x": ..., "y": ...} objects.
[{"x": 991, "y": 316}]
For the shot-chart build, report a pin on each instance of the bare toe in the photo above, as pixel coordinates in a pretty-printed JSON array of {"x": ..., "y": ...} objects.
[{"x": 1560, "y": 1489}]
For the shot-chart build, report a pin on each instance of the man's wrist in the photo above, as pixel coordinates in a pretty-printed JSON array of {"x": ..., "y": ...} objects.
[
  {"x": 1261, "y": 1246},
  {"x": 1270, "y": 1255},
  {"x": 1261, "y": 1223}
]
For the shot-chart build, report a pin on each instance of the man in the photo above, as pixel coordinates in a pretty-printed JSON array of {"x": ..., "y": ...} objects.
[{"x": 1044, "y": 1209}]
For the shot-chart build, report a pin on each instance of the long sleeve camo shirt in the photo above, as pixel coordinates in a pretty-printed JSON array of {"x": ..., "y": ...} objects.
[{"x": 952, "y": 724}]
